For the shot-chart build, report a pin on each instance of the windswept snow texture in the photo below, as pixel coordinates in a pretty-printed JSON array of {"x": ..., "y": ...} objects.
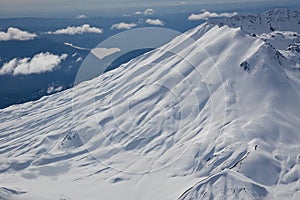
[{"x": 214, "y": 114}]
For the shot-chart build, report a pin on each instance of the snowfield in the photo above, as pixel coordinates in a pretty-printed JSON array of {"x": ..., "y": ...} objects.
[{"x": 214, "y": 114}]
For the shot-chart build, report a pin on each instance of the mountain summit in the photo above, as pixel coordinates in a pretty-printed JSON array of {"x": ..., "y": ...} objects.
[{"x": 212, "y": 114}]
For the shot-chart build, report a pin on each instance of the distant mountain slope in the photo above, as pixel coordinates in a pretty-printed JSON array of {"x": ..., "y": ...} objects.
[
  {"x": 212, "y": 114},
  {"x": 269, "y": 21}
]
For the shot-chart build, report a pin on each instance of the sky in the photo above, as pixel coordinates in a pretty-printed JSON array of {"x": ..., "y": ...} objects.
[{"x": 65, "y": 8}]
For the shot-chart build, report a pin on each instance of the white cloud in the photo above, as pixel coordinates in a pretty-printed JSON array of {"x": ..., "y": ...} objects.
[
  {"x": 40, "y": 63},
  {"x": 182, "y": 3},
  {"x": 76, "y": 47},
  {"x": 79, "y": 59},
  {"x": 72, "y": 30},
  {"x": 149, "y": 11},
  {"x": 16, "y": 34},
  {"x": 206, "y": 14},
  {"x": 81, "y": 17},
  {"x": 123, "y": 25},
  {"x": 53, "y": 89},
  {"x": 156, "y": 22}
]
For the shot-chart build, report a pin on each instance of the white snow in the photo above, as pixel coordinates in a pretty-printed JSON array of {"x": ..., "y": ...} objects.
[{"x": 212, "y": 114}]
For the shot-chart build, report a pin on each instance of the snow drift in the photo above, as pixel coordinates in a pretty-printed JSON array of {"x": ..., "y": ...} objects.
[{"x": 212, "y": 114}]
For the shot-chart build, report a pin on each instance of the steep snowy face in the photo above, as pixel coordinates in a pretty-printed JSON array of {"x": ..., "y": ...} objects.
[
  {"x": 286, "y": 43},
  {"x": 269, "y": 21},
  {"x": 278, "y": 27},
  {"x": 215, "y": 110},
  {"x": 281, "y": 40}
]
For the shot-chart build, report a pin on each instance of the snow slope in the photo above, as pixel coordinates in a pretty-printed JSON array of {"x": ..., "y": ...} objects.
[{"x": 212, "y": 114}]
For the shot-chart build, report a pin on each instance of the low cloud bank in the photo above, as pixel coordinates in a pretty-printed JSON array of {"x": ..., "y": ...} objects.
[
  {"x": 73, "y": 30},
  {"x": 206, "y": 14},
  {"x": 123, "y": 25},
  {"x": 16, "y": 34},
  {"x": 40, "y": 63}
]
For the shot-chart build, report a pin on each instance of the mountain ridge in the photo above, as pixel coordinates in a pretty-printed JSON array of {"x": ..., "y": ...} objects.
[{"x": 266, "y": 22}]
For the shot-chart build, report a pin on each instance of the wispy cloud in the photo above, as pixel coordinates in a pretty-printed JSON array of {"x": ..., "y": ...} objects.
[
  {"x": 73, "y": 30},
  {"x": 156, "y": 22},
  {"x": 16, "y": 34},
  {"x": 53, "y": 89},
  {"x": 138, "y": 13},
  {"x": 123, "y": 25},
  {"x": 206, "y": 14},
  {"x": 79, "y": 59},
  {"x": 81, "y": 17},
  {"x": 40, "y": 63},
  {"x": 149, "y": 11},
  {"x": 182, "y": 3},
  {"x": 76, "y": 47}
]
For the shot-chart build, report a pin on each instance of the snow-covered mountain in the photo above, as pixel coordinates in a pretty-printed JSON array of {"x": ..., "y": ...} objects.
[
  {"x": 279, "y": 28},
  {"x": 269, "y": 21},
  {"x": 213, "y": 114}
]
